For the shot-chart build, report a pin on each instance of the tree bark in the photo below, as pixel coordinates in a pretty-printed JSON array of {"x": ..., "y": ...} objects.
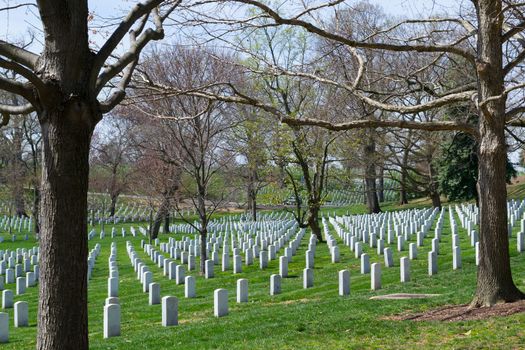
[
  {"x": 433, "y": 182},
  {"x": 370, "y": 177},
  {"x": 403, "y": 198},
  {"x": 160, "y": 217},
  {"x": 381, "y": 184},
  {"x": 62, "y": 308},
  {"x": 204, "y": 252},
  {"x": 36, "y": 207},
  {"x": 113, "y": 204},
  {"x": 167, "y": 222},
  {"x": 254, "y": 208},
  {"x": 436, "y": 199},
  {"x": 252, "y": 198},
  {"x": 313, "y": 221},
  {"x": 494, "y": 280},
  {"x": 203, "y": 216}
]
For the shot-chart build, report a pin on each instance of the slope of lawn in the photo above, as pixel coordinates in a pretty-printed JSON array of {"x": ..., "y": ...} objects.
[{"x": 298, "y": 318}]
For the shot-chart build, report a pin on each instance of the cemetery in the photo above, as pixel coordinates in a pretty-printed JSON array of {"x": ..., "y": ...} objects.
[
  {"x": 252, "y": 174},
  {"x": 270, "y": 283}
]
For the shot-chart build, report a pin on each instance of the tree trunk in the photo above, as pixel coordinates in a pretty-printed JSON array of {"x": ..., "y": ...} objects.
[
  {"x": 203, "y": 217},
  {"x": 113, "y": 205},
  {"x": 313, "y": 221},
  {"x": 167, "y": 222},
  {"x": 36, "y": 207},
  {"x": 254, "y": 208},
  {"x": 62, "y": 307},
  {"x": 204, "y": 252},
  {"x": 381, "y": 184},
  {"x": 433, "y": 183},
  {"x": 370, "y": 175},
  {"x": 403, "y": 198},
  {"x": 494, "y": 280},
  {"x": 436, "y": 199},
  {"x": 20, "y": 206},
  {"x": 160, "y": 217}
]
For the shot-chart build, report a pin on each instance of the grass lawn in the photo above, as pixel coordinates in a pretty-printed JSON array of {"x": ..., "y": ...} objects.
[{"x": 315, "y": 318}]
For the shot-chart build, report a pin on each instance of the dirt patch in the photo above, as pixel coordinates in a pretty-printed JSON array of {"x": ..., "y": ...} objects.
[
  {"x": 454, "y": 313},
  {"x": 403, "y": 296}
]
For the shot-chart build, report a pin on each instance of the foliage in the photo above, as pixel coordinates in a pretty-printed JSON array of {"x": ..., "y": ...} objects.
[{"x": 458, "y": 168}]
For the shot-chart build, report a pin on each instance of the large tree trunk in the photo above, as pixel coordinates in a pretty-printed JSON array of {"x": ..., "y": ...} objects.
[
  {"x": 36, "y": 207},
  {"x": 62, "y": 308},
  {"x": 494, "y": 280}
]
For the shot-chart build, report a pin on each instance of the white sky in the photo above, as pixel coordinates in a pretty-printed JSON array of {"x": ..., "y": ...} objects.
[{"x": 15, "y": 23}]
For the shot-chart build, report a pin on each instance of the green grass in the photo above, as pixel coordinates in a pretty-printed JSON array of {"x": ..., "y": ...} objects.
[{"x": 296, "y": 319}]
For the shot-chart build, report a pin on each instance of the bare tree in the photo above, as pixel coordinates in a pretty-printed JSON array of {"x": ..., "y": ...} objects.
[
  {"x": 113, "y": 153},
  {"x": 195, "y": 126},
  {"x": 249, "y": 140}
]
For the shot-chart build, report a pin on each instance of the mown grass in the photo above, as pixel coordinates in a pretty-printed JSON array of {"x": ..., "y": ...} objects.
[{"x": 316, "y": 318}]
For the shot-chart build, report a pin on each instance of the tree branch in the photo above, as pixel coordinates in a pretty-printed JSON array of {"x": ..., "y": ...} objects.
[
  {"x": 120, "y": 32},
  {"x": 353, "y": 43},
  {"x": 18, "y": 54},
  {"x": 373, "y": 123}
]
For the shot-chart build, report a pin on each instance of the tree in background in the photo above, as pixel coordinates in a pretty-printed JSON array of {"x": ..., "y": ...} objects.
[
  {"x": 458, "y": 168},
  {"x": 248, "y": 139},
  {"x": 113, "y": 152}
]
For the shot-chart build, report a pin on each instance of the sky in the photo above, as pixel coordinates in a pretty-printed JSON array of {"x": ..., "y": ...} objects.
[{"x": 15, "y": 23}]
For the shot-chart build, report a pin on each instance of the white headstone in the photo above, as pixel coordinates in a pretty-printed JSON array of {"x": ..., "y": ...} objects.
[
  {"x": 170, "y": 311},
  {"x": 112, "y": 287},
  {"x": 404, "y": 263},
  {"x": 365, "y": 263},
  {"x": 283, "y": 266},
  {"x": 237, "y": 264},
  {"x": 4, "y": 327},
  {"x": 275, "y": 284},
  {"x": 308, "y": 278},
  {"x": 375, "y": 277},
  {"x": 179, "y": 274},
  {"x": 189, "y": 287},
  {"x": 7, "y": 299},
  {"x": 344, "y": 282},
  {"x": 242, "y": 290},
  {"x": 21, "y": 310},
  {"x": 147, "y": 278},
  {"x": 20, "y": 285},
  {"x": 220, "y": 302},
  {"x": 432, "y": 263},
  {"x": 412, "y": 251},
  {"x": 154, "y": 293},
  {"x": 208, "y": 268},
  {"x": 456, "y": 258},
  {"x": 111, "y": 320}
]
